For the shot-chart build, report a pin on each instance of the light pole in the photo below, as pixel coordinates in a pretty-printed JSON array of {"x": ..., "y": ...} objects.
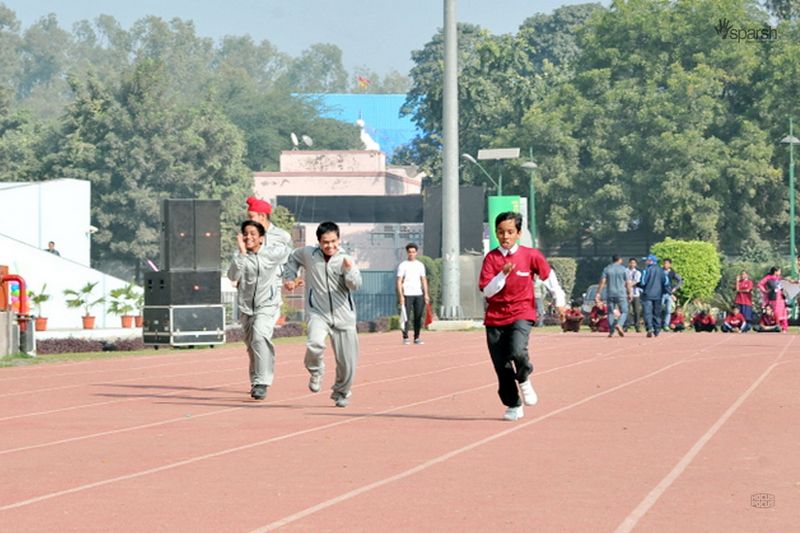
[
  {"x": 498, "y": 187},
  {"x": 791, "y": 140},
  {"x": 530, "y": 165},
  {"x": 497, "y": 154}
]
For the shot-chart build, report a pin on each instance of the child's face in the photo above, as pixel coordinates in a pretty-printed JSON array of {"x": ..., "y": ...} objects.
[
  {"x": 329, "y": 243},
  {"x": 252, "y": 239},
  {"x": 507, "y": 234}
]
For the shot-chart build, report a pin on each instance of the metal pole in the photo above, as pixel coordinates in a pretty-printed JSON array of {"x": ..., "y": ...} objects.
[
  {"x": 792, "y": 194},
  {"x": 451, "y": 292},
  {"x": 500, "y": 183}
]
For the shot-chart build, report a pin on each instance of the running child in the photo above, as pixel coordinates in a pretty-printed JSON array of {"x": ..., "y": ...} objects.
[
  {"x": 330, "y": 276},
  {"x": 506, "y": 280}
]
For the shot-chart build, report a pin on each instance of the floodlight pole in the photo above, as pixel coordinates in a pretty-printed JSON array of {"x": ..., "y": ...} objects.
[
  {"x": 451, "y": 291},
  {"x": 792, "y": 194}
]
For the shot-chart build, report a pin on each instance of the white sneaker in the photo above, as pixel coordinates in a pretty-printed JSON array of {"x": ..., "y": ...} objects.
[
  {"x": 513, "y": 413},
  {"x": 342, "y": 400},
  {"x": 314, "y": 382},
  {"x": 529, "y": 395}
]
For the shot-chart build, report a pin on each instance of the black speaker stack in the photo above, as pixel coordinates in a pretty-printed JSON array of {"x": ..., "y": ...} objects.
[{"x": 182, "y": 301}]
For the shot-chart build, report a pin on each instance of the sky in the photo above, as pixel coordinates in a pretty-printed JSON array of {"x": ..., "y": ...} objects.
[{"x": 378, "y": 34}]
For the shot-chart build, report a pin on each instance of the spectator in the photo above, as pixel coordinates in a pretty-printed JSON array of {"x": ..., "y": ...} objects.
[
  {"x": 744, "y": 295},
  {"x": 598, "y": 318},
  {"x": 51, "y": 247},
  {"x": 768, "y": 323},
  {"x": 734, "y": 321},
  {"x": 573, "y": 318},
  {"x": 618, "y": 294},
  {"x": 704, "y": 321},
  {"x": 412, "y": 292},
  {"x": 678, "y": 321},
  {"x": 634, "y": 276},
  {"x": 654, "y": 285},
  {"x": 772, "y": 295},
  {"x": 539, "y": 295},
  {"x": 675, "y": 283}
]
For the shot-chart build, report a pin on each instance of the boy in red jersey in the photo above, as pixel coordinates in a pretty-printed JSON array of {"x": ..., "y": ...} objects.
[{"x": 506, "y": 281}]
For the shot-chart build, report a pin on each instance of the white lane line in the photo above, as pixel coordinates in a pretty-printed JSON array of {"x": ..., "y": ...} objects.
[
  {"x": 192, "y": 460},
  {"x": 647, "y": 503},
  {"x": 143, "y": 397},
  {"x": 277, "y": 402},
  {"x": 449, "y": 455}
]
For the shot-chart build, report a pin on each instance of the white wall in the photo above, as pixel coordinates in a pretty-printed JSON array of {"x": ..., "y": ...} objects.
[
  {"x": 38, "y": 267},
  {"x": 55, "y": 210}
]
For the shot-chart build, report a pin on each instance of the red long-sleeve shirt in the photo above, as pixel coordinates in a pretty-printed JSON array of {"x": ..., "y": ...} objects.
[{"x": 515, "y": 301}]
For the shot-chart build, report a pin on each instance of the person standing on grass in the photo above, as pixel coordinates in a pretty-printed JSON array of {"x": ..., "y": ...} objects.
[
  {"x": 634, "y": 276},
  {"x": 253, "y": 271},
  {"x": 506, "y": 281},
  {"x": 618, "y": 294},
  {"x": 654, "y": 285},
  {"x": 669, "y": 300},
  {"x": 412, "y": 292},
  {"x": 744, "y": 295},
  {"x": 330, "y": 277}
]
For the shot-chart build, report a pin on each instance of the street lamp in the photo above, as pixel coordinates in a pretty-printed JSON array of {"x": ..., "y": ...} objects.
[
  {"x": 530, "y": 165},
  {"x": 791, "y": 140},
  {"x": 498, "y": 188}
]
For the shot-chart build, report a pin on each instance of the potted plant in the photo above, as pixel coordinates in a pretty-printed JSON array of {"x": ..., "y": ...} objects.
[
  {"x": 138, "y": 303},
  {"x": 122, "y": 304},
  {"x": 83, "y": 298},
  {"x": 38, "y": 298}
]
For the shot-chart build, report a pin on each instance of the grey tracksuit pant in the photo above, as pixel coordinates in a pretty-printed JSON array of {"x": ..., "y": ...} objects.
[
  {"x": 258, "y": 331},
  {"x": 345, "y": 350}
]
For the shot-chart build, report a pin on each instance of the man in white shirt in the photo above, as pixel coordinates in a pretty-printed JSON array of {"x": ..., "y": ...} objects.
[
  {"x": 412, "y": 292},
  {"x": 633, "y": 275}
]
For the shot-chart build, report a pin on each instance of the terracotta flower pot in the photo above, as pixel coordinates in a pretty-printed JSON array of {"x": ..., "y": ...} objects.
[
  {"x": 138, "y": 321},
  {"x": 127, "y": 321},
  {"x": 88, "y": 322},
  {"x": 41, "y": 323}
]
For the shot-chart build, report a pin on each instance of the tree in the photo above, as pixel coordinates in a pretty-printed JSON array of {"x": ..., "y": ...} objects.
[
  {"x": 318, "y": 70},
  {"x": 697, "y": 262}
]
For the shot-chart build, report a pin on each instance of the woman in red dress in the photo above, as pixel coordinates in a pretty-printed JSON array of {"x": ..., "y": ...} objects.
[{"x": 772, "y": 295}]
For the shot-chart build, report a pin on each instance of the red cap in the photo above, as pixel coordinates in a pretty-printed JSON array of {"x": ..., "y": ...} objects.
[{"x": 258, "y": 206}]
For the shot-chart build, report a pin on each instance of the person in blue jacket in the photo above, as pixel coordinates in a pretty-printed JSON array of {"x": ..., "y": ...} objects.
[{"x": 654, "y": 284}]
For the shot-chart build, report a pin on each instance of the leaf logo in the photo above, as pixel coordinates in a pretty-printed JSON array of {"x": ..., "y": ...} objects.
[{"x": 723, "y": 27}]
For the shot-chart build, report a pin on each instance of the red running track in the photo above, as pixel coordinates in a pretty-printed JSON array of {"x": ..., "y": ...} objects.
[{"x": 686, "y": 432}]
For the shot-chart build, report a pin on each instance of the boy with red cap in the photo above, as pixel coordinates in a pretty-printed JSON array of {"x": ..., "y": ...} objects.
[
  {"x": 263, "y": 261},
  {"x": 259, "y": 211},
  {"x": 506, "y": 281}
]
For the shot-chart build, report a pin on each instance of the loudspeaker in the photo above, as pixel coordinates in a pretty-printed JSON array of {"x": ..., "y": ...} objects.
[
  {"x": 184, "y": 325},
  {"x": 182, "y": 287},
  {"x": 472, "y": 215},
  {"x": 190, "y": 234},
  {"x": 207, "y": 215}
]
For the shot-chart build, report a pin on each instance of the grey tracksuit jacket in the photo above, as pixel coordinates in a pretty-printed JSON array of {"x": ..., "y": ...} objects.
[
  {"x": 327, "y": 287},
  {"x": 257, "y": 274}
]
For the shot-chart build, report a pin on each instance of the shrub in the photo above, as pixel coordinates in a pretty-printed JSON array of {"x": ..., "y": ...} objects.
[
  {"x": 565, "y": 268},
  {"x": 697, "y": 262},
  {"x": 290, "y": 329},
  {"x": 433, "y": 270}
]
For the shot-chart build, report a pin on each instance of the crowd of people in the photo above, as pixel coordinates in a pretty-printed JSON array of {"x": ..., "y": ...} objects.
[{"x": 646, "y": 299}]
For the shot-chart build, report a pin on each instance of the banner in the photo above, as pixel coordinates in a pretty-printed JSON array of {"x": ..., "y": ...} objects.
[{"x": 497, "y": 205}]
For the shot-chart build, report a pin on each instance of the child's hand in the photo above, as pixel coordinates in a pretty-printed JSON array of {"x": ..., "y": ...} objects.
[
  {"x": 507, "y": 268},
  {"x": 240, "y": 243},
  {"x": 347, "y": 264}
]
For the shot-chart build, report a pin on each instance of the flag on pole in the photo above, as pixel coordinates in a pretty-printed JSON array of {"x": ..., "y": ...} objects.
[{"x": 363, "y": 82}]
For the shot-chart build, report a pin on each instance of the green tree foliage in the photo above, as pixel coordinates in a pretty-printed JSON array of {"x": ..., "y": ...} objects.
[
  {"x": 433, "y": 271},
  {"x": 137, "y": 147},
  {"x": 697, "y": 262}
]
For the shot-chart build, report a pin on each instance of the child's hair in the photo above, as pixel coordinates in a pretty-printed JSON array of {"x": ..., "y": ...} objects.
[
  {"x": 327, "y": 227},
  {"x": 257, "y": 225},
  {"x": 773, "y": 270},
  {"x": 509, "y": 215},
  {"x": 411, "y": 246}
]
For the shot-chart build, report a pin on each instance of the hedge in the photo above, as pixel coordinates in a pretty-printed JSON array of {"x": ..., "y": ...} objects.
[
  {"x": 697, "y": 262},
  {"x": 565, "y": 268}
]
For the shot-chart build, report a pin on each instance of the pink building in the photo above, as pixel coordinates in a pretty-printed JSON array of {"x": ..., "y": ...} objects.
[{"x": 377, "y": 207}]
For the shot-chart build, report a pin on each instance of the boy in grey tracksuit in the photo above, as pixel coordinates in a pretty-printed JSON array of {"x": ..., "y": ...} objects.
[
  {"x": 253, "y": 269},
  {"x": 330, "y": 276}
]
